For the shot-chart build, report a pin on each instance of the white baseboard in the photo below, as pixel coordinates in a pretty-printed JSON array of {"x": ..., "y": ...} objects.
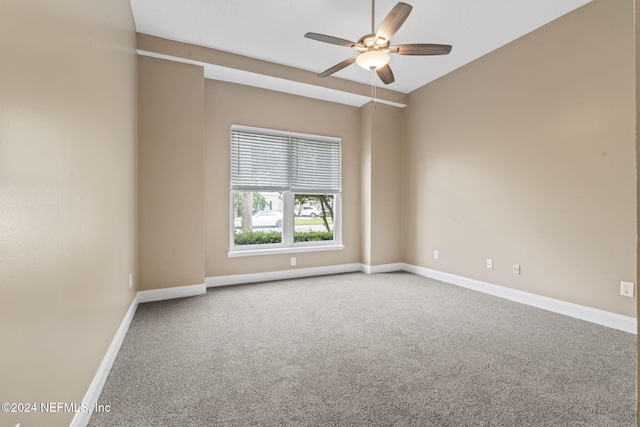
[
  {"x": 81, "y": 419},
  {"x": 600, "y": 317},
  {"x": 238, "y": 279},
  {"x": 383, "y": 268},
  {"x": 171, "y": 293}
]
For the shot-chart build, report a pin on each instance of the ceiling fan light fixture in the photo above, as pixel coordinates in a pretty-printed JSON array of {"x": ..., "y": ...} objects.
[
  {"x": 374, "y": 49},
  {"x": 373, "y": 59}
]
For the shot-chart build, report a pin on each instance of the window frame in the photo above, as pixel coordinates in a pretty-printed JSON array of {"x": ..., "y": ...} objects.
[{"x": 287, "y": 244}]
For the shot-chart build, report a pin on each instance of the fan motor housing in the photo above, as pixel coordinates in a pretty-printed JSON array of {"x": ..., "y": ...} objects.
[{"x": 371, "y": 42}]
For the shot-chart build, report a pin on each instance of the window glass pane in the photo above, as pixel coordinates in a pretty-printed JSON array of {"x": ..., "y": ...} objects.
[
  {"x": 313, "y": 217},
  {"x": 257, "y": 217}
]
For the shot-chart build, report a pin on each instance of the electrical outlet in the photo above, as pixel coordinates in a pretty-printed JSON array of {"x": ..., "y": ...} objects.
[
  {"x": 626, "y": 289},
  {"x": 293, "y": 261},
  {"x": 516, "y": 269},
  {"x": 130, "y": 280},
  {"x": 490, "y": 264},
  {"x": 436, "y": 254}
]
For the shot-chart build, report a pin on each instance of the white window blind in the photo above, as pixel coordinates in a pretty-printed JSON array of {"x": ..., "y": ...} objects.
[
  {"x": 259, "y": 160},
  {"x": 284, "y": 161},
  {"x": 315, "y": 166}
]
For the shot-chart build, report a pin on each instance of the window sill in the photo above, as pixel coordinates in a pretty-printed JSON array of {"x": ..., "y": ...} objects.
[{"x": 288, "y": 250}]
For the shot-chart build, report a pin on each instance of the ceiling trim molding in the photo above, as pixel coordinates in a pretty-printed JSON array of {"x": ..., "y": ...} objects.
[{"x": 254, "y": 72}]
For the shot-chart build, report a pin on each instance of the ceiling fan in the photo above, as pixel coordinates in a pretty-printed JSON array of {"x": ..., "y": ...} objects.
[{"x": 374, "y": 49}]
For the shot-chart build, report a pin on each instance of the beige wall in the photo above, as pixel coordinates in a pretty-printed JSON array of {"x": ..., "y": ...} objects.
[
  {"x": 366, "y": 120},
  {"x": 386, "y": 185},
  {"x": 171, "y": 174},
  {"x": 171, "y": 191},
  {"x": 67, "y": 195},
  {"x": 381, "y": 189},
  {"x": 527, "y": 156},
  {"x": 228, "y": 104}
]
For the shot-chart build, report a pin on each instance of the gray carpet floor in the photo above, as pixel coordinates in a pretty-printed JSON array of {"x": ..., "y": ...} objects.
[{"x": 366, "y": 350}]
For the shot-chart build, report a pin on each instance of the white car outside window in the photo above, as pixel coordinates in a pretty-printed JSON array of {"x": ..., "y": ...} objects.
[
  {"x": 309, "y": 211},
  {"x": 267, "y": 219},
  {"x": 262, "y": 219}
]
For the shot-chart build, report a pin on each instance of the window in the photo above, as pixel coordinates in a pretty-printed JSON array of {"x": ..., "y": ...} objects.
[{"x": 285, "y": 191}]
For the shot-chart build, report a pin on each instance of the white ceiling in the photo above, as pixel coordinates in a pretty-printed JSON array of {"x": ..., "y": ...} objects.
[{"x": 273, "y": 30}]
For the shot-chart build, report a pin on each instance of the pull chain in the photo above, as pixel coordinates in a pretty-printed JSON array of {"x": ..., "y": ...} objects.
[
  {"x": 374, "y": 89},
  {"x": 373, "y": 74}
]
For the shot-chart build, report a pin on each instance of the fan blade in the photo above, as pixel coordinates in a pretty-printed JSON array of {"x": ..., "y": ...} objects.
[
  {"x": 393, "y": 21},
  {"x": 330, "y": 39},
  {"x": 337, "y": 67},
  {"x": 385, "y": 74},
  {"x": 421, "y": 49}
]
